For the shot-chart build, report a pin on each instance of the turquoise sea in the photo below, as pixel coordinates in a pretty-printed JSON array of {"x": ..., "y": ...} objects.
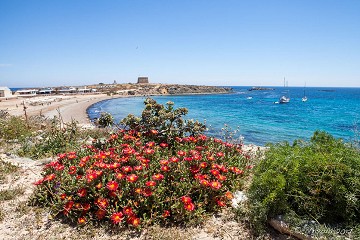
[{"x": 256, "y": 116}]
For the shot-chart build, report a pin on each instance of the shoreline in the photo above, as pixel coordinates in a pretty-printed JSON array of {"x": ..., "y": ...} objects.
[{"x": 68, "y": 107}]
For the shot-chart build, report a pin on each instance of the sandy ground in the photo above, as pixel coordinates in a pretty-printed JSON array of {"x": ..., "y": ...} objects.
[{"x": 70, "y": 107}]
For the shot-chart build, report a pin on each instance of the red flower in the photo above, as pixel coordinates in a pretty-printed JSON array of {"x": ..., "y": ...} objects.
[
  {"x": 68, "y": 206},
  {"x": 90, "y": 177},
  {"x": 146, "y": 192},
  {"x": 166, "y": 213},
  {"x": 174, "y": 159},
  {"x": 117, "y": 217},
  {"x": 99, "y": 185},
  {"x": 49, "y": 177},
  {"x": 204, "y": 182},
  {"x": 181, "y": 153},
  {"x": 86, "y": 206},
  {"x": 186, "y": 199},
  {"x": 150, "y": 183},
  {"x": 229, "y": 195},
  {"x": 215, "y": 185},
  {"x": 127, "y": 169},
  {"x": 220, "y": 154},
  {"x": 63, "y": 196},
  {"x": 194, "y": 169},
  {"x": 149, "y": 151},
  {"x": 150, "y": 144},
  {"x": 165, "y": 168},
  {"x": 214, "y": 172},
  {"x": 72, "y": 170},
  {"x": 100, "y": 214},
  {"x": 190, "y": 206},
  {"x": 82, "y": 192},
  {"x": 220, "y": 203},
  {"x": 221, "y": 177},
  {"x": 138, "y": 168},
  {"x": 81, "y": 220},
  {"x": 120, "y": 176},
  {"x": 164, "y": 162},
  {"x": 112, "y": 186},
  {"x": 154, "y": 132},
  {"x": 133, "y": 220},
  {"x": 102, "y": 203},
  {"x": 128, "y": 211},
  {"x": 203, "y": 164},
  {"x": 164, "y": 145},
  {"x": 158, "y": 177},
  {"x": 132, "y": 178}
]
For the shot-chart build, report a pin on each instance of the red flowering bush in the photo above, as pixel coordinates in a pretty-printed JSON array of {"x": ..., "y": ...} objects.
[{"x": 130, "y": 179}]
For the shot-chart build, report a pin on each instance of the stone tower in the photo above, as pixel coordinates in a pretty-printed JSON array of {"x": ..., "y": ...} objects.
[{"x": 143, "y": 80}]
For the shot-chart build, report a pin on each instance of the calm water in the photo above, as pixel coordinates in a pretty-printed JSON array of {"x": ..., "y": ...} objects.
[{"x": 259, "y": 119}]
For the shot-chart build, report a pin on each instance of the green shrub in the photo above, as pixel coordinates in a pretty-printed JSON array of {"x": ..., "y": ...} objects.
[
  {"x": 319, "y": 180},
  {"x": 161, "y": 123},
  {"x": 105, "y": 120}
]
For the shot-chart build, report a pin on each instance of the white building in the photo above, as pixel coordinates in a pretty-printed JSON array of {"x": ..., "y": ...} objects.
[
  {"x": 5, "y": 92},
  {"x": 27, "y": 92}
]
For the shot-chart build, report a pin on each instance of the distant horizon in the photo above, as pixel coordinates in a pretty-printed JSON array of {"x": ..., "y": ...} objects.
[
  {"x": 203, "y": 42},
  {"x": 248, "y": 86}
]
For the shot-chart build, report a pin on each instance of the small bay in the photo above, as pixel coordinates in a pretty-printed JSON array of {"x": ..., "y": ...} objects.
[{"x": 256, "y": 115}]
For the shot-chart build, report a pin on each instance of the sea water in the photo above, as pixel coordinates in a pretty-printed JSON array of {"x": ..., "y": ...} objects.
[{"x": 256, "y": 115}]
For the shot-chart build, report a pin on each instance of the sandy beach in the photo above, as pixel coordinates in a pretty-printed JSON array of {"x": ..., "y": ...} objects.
[{"x": 68, "y": 106}]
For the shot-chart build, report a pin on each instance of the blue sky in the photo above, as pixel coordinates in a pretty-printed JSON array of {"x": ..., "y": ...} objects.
[{"x": 205, "y": 42}]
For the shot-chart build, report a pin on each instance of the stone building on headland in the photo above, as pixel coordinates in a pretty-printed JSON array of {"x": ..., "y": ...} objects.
[{"x": 143, "y": 80}]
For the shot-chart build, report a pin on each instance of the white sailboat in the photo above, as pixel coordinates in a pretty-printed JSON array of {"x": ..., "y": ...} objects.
[
  {"x": 284, "y": 98},
  {"x": 304, "y": 98}
]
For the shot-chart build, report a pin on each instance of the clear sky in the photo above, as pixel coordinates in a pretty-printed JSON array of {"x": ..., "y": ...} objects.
[{"x": 205, "y": 42}]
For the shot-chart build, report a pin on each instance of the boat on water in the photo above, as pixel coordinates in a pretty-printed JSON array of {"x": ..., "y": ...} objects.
[
  {"x": 284, "y": 98},
  {"x": 304, "y": 98}
]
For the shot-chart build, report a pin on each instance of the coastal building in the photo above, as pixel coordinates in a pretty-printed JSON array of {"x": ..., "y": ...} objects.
[
  {"x": 143, "y": 80},
  {"x": 46, "y": 91},
  {"x": 5, "y": 92},
  {"x": 26, "y": 92}
]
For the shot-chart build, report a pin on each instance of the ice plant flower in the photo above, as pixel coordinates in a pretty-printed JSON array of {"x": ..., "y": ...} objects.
[
  {"x": 127, "y": 211},
  {"x": 100, "y": 214},
  {"x": 82, "y": 192},
  {"x": 72, "y": 170},
  {"x": 132, "y": 178},
  {"x": 215, "y": 185},
  {"x": 158, "y": 177},
  {"x": 133, "y": 220},
  {"x": 150, "y": 183},
  {"x": 165, "y": 168},
  {"x": 102, "y": 203},
  {"x": 186, "y": 199},
  {"x": 49, "y": 177},
  {"x": 146, "y": 192},
  {"x": 190, "y": 206},
  {"x": 81, "y": 220},
  {"x": 117, "y": 217},
  {"x": 68, "y": 206},
  {"x": 166, "y": 213},
  {"x": 112, "y": 186}
]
